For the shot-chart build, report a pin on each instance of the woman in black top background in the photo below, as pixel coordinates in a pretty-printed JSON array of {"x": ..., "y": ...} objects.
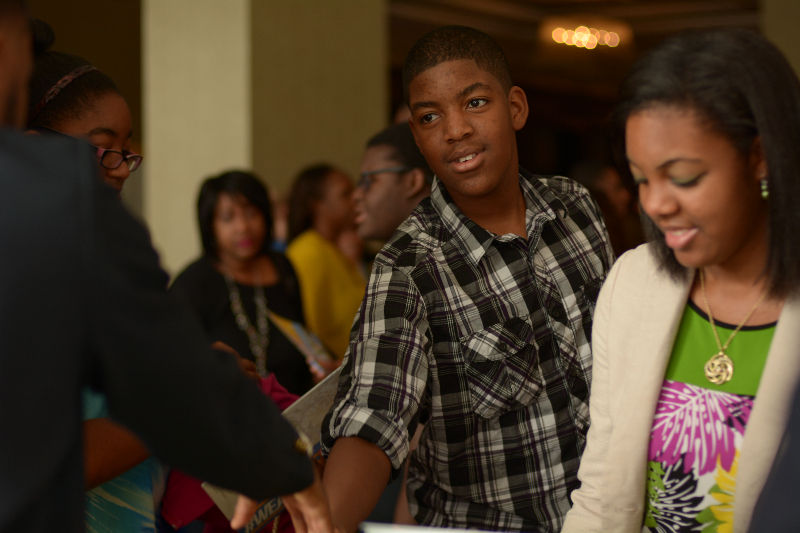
[{"x": 239, "y": 278}]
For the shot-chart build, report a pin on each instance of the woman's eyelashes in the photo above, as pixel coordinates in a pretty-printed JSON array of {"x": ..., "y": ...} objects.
[
  {"x": 638, "y": 177},
  {"x": 679, "y": 181},
  {"x": 683, "y": 181}
]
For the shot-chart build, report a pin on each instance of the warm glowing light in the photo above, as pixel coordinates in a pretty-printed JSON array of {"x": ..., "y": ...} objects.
[{"x": 585, "y": 37}]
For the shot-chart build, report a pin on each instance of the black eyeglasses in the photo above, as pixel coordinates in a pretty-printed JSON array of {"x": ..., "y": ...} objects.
[
  {"x": 366, "y": 177},
  {"x": 109, "y": 159},
  {"x": 112, "y": 159}
]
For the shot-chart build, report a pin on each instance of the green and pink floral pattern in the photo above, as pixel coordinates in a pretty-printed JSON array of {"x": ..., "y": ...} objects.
[{"x": 692, "y": 458}]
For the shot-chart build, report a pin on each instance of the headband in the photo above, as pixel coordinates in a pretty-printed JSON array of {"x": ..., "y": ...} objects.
[{"x": 59, "y": 86}]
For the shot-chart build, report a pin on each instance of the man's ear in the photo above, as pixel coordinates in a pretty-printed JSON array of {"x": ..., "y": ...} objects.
[
  {"x": 518, "y": 106},
  {"x": 415, "y": 178}
]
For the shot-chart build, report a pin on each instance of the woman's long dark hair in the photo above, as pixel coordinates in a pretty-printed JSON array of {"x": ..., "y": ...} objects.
[{"x": 743, "y": 88}]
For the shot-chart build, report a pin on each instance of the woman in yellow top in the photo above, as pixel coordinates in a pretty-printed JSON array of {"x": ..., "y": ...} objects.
[{"x": 331, "y": 286}]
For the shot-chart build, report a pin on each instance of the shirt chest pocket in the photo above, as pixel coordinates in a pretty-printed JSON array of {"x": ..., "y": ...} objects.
[{"x": 502, "y": 369}]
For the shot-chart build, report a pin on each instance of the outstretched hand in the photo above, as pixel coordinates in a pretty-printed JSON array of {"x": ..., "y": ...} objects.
[
  {"x": 308, "y": 509},
  {"x": 244, "y": 512},
  {"x": 247, "y": 366}
]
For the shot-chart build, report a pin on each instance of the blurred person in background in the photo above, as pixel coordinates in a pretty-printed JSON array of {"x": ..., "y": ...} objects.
[
  {"x": 615, "y": 200},
  {"x": 320, "y": 212},
  {"x": 394, "y": 178},
  {"x": 239, "y": 279}
]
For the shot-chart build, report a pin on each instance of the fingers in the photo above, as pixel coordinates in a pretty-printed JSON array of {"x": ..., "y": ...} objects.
[
  {"x": 309, "y": 509},
  {"x": 317, "y": 373},
  {"x": 219, "y": 345},
  {"x": 249, "y": 368},
  {"x": 295, "y": 513},
  {"x": 245, "y": 509}
]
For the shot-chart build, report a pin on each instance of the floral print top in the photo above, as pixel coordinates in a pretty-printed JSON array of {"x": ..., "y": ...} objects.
[{"x": 698, "y": 428}]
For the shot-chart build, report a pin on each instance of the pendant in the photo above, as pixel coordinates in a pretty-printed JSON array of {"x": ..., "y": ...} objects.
[{"x": 719, "y": 369}]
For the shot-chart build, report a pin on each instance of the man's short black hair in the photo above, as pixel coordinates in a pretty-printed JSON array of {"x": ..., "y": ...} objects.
[
  {"x": 399, "y": 138},
  {"x": 450, "y": 43}
]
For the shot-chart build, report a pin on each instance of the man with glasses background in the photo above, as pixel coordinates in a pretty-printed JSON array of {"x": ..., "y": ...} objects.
[{"x": 394, "y": 178}]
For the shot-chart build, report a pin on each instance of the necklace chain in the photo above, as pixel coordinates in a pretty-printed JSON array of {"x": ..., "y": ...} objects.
[
  {"x": 719, "y": 368},
  {"x": 258, "y": 335}
]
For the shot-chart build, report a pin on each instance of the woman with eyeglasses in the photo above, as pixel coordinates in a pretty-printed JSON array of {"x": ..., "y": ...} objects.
[{"x": 68, "y": 96}]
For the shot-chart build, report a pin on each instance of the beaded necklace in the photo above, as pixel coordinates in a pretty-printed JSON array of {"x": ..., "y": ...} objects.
[{"x": 258, "y": 334}]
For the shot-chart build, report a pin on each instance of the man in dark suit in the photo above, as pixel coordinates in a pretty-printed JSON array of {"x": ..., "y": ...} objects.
[
  {"x": 775, "y": 510},
  {"x": 83, "y": 302}
]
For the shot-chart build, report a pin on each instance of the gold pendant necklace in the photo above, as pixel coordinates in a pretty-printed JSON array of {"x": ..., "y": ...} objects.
[{"x": 719, "y": 369}]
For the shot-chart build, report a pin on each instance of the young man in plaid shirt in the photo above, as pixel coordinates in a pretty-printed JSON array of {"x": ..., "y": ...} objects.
[{"x": 476, "y": 320}]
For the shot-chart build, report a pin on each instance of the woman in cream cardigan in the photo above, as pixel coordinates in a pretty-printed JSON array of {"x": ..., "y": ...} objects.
[{"x": 697, "y": 333}]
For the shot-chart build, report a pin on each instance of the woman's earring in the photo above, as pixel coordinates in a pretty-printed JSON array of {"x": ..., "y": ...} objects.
[{"x": 764, "y": 188}]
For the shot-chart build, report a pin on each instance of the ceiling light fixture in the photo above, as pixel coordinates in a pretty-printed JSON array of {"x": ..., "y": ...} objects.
[{"x": 599, "y": 33}]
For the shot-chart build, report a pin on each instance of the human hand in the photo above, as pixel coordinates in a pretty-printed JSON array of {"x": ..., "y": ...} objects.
[
  {"x": 321, "y": 368},
  {"x": 309, "y": 509},
  {"x": 245, "y": 509},
  {"x": 221, "y": 346},
  {"x": 247, "y": 366}
]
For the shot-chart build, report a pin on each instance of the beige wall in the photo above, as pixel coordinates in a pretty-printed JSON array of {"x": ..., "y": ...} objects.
[
  {"x": 779, "y": 22},
  {"x": 264, "y": 84},
  {"x": 320, "y": 83},
  {"x": 196, "y": 102}
]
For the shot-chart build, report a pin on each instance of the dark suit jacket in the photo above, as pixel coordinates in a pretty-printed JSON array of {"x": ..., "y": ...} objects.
[
  {"x": 83, "y": 301},
  {"x": 776, "y": 510}
]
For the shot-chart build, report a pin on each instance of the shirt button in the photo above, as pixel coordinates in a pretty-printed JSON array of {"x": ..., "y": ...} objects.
[
  {"x": 557, "y": 312},
  {"x": 503, "y": 347}
]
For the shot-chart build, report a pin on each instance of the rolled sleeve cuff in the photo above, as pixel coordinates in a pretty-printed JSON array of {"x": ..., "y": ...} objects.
[{"x": 377, "y": 427}]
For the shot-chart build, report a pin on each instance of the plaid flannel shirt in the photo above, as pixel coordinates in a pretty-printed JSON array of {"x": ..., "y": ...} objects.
[{"x": 485, "y": 340}]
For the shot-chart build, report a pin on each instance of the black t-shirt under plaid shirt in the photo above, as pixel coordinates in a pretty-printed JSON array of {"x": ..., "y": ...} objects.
[{"x": 485, "y": 340}]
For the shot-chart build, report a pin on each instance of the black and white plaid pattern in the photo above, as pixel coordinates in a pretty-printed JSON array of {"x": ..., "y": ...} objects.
[{"x": 485, "y": 340}]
